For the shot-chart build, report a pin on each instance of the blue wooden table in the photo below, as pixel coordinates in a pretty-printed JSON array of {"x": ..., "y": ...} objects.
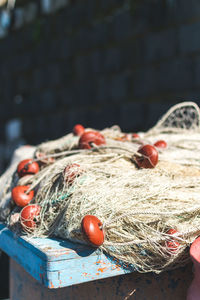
[{"x": 48, "y": 268}]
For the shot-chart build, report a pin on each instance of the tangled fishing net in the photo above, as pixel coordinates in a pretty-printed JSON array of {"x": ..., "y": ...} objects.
[{"x": 149, "y": 215}]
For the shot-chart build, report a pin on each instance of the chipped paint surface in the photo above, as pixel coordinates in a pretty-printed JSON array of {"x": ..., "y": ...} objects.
[
  {"x": 102, "y": 269},
  {"x": 57, "y": 263},
  {"x": 134, "y": 286},
  {"x": 66, "y": 265}
]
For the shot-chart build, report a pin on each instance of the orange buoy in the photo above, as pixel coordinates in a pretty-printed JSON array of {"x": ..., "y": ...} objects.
[
  {"x": 91, "y": 137},
  {"x": 27, "y": 167},
  {"x": 28, "y": 216},
  {"x": 149, "y": 158},
  {"x": 20, "y": 197},
  {"x": 78, "y": 129},
  {"x": 92, "y": 230}
]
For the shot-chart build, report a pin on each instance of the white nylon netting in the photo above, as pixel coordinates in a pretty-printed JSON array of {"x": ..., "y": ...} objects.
[{"x": 136, "y": 206}]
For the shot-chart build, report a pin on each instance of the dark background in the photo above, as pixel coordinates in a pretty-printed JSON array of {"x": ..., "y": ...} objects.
[{"x": 97, "y": 63}]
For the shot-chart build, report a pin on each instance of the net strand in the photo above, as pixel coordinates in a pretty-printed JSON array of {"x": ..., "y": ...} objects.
[{"x": 137, "y": 207}]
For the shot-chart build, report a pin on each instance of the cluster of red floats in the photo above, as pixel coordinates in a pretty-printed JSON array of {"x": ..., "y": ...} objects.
[
  {"x": 88, "y": 139},
  {"x": 92, "y": 227},
  {"x": 22, "y": 195},
  {"x": 147, "y": 159}
]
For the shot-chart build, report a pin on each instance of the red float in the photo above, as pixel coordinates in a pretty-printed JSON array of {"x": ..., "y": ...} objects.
[
  {"x": 78, "y": 129},
  {"x": 92, "y": 230},
  {"x": 29, "y": 215},
  {"x": 71, "y": 172},
  {"x": 149, "y": 158},
  {"x": 20, "y": 197},
  {"x": 135, "y": 136},
  {"x": 91, "y": 137},
  {"x": 172, "y": 246},
  {"x": 161, "y": 144},
  {"x": 27, "y": 167}
]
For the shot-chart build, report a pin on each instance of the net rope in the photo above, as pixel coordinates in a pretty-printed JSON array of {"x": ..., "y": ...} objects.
[{"x": 137, "y": 207}]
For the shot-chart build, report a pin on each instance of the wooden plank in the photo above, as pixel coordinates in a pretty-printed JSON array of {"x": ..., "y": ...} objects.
[
  {"x": 84, "y": 270},
  {"x": 58, "y": 263},
  {"x": 134, "y": 286},
  {"x": 16, "y": 248},
  {"x": 57, "y": 249}
]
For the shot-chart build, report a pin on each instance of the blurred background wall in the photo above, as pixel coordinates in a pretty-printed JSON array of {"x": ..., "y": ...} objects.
[{"x": 98, "y": 63}]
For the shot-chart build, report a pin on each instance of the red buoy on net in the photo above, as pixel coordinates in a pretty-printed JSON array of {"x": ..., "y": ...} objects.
[
  {"x": 148, "y": 158},
  {"x": 135, "y": 136},
  {"x": 20, "y": 195},
  {"x": 91, "y": 137},
  {"x": 92, "y": 230},
  {"x": 160, "y": 144},
  {"x": 172, "y": 245},
  {"x": 29, "y": 216},
  {"x": 71, "y": 172},
  {"x": 78, "y": 129},
  {"x": 27, "y": 167}
]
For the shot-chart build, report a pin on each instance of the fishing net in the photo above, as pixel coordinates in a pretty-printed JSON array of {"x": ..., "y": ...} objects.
[{"x": 149, "y": 216}]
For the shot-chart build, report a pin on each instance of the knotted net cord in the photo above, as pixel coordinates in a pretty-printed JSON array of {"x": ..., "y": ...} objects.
[{"x": 136, "y": 206}]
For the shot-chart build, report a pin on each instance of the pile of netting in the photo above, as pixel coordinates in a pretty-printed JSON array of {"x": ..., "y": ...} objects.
[{"x": 148, "y": 216}]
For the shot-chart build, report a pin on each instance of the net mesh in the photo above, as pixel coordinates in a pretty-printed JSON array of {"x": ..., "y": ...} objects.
[
  {"x": 138, "y": 207},
  {"x": 183, "y": 116}
]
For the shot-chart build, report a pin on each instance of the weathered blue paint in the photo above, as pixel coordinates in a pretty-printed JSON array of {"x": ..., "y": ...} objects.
[
  {"x": 58, "y": 263},
  {"x": 54, "y": 263},
  {"x": 124, "y": 287}
]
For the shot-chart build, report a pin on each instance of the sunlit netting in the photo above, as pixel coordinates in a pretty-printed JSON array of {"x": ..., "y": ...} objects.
[
  {"x": 67, "y": 142},
  {"x": 137, "y": 207},
  {"x": 70, "y": 142},
  {"x": 183, "y": 116}
]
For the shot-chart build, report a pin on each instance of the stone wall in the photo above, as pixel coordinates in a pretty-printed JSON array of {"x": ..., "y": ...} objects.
[{"x": 100, "y": 63}]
